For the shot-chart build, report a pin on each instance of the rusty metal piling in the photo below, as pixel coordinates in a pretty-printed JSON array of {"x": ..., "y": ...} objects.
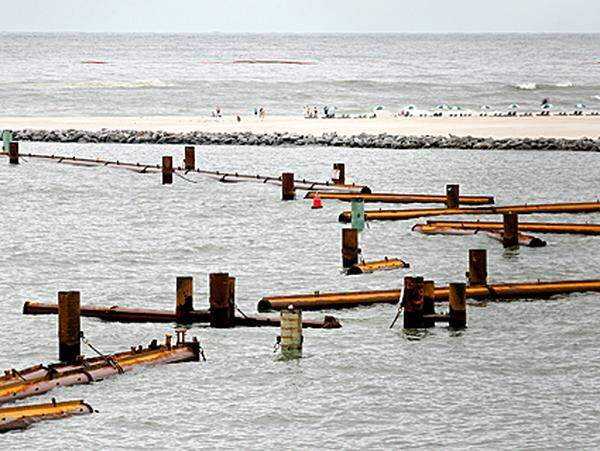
[
  {"x": 412, "y": 302},
  {"x": 167, "y": 170},
  {"x": 477, "y": 273},
  {"x": 190, "y": 158},
  {"x": 510, "y": 231},
  {"x": 184, "y": 300},
  {"x": 339, "y": 174},
  {"x": 221, "y": 308},
  {"x": 13, "y": 153},
  {"x": 288, "y": 192},
  {"x": 458, "y": 305},
  {"x": 452, "y": 196},
  {"x": 69, "y": 327},
  {"x": 350, "y": 249}
]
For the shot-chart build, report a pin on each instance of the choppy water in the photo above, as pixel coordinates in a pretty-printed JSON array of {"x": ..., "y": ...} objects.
[
  {"x": 524, "y": 375},
  {"x": 188, "y": 74}
]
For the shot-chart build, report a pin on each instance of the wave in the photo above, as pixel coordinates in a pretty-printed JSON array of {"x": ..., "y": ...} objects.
[
  {"x": 531, "y": 86},
  {"x": 93, "y": 84}
]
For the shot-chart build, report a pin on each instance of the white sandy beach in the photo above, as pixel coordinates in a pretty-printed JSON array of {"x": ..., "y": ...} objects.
[{"x": 495, "y": 127}]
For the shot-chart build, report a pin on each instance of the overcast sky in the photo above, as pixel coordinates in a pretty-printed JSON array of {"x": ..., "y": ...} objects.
[{"x": 301, "y": 15}]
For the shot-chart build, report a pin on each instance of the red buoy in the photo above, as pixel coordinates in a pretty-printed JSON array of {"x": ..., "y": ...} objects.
[{"x": 317, "y": 202}]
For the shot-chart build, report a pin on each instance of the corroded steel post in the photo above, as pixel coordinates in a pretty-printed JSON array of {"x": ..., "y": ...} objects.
[
  {"x": 477, "y": 267},
  {"x": 412, "y": 301},
  {"x": 69, "y": 328},
  {"x": 288, "y": 192},
  {"x": 339, "y": 170},
  {"x": 13, "y": 153},
  {"x": 458, "y": 305},
  {"x": 185, "y": 299},
  {"x": 510, "y": 233},
  {"x": 220, "y": 299},
  {"x": 428, "y": 302},
  {"x": 167, "y": 170},
  {"x": 452, "y": 196},
  {"x": 350, "y": 248},
  {"x": 190, "y": 158}
]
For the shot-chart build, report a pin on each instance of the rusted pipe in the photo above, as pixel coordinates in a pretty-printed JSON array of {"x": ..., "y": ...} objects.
[
  {"x": 537, "y": 227},
  {"x": 392, "y": 198}
]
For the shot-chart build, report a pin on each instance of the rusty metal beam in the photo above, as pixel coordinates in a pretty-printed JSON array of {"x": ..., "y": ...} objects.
[
  {"x": 127, "y": 315},
  {"x": 523, "y": 239},
  {"x": 399, "y": 215},
  {"x": 392, "y": 198},
  {"x": 493, "y": 292},
  {"x": 537, "y": 227},
  {"x": 21, "y": 417}
]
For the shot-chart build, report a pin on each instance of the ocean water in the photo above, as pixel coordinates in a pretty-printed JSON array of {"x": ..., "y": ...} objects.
[
  {"x": 189, "y": 74},
  {"x": 523, "y": 375}
]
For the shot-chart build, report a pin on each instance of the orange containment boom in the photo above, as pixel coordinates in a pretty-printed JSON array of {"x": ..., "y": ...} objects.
[
  {"x": 524, "y": 240},
  {"x": 537, "y": 227},
  {"x": 380, "y": 265},
  {"x": 391, "y": 198},
  {"x": 41, "y": 379},
  {"x": 21, "y": 417},
  {"x": 127, "y": 315},
  {"x": 399, "y": 215},
  {"x": 491, "y": 292}
]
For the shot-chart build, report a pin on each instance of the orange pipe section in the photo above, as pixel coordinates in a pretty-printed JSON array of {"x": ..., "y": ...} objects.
[
  {"x": 398, "y": 215},
  {"x": 400, "y": 198},
  {"x": 380, "y": 265},
  {"x": 538, "y": 227},
  {"x": 524, "y": 240},
  {"x": 21, "y": 417},
  {"x": 492, "y": 292}
]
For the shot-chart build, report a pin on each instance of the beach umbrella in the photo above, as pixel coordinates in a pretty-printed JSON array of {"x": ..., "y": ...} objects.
[
  {"x": 410, "y": 107},
  {"x": 547, "y": 106},
  {"x": 455, "y": 108},
  {"x": 486, "y": 107},
  {"x": 379, "y": 108},
  {"x": 514, "y": 106},
  {"x": 441, "y": 106},
  {"x": 580, "y": 106}
]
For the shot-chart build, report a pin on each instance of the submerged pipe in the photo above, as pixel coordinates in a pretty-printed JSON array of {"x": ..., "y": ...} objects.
[
  {"x": 399, "y": 215},
  {"x": 21, "y": 417},
  {"x": 538, "y": 227}
]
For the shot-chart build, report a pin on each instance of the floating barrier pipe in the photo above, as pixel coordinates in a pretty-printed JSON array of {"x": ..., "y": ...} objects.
[
  {"x": 21, "y": 417},
  {"x": 226, "y": 177},
  {"x": 523, "y": 239},
  {"x": 380, "y": 265},
  {"x": 538, "y": 227},
  {"x": 41, "y": 379},
  {"x": 525, "y": 290},
  {"x": 126, "y": 315},
  {"x": 398, "y": 215},
  {"x": 400, "y": 198}
]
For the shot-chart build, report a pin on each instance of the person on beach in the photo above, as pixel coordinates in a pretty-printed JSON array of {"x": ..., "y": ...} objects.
[{"x": 261, "y": 113}]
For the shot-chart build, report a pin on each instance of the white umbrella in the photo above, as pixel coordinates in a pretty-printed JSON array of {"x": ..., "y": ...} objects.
[
  {"x": 455, "y": 108},
  {"x": 379, "y": 108},
  {"x": 580, "y": 106},
  {"x": 410, "y": 107},
  {"x": 486, "y": 107},
  {"x": 441, "y": 106},
  {"x": 514, "y": 106},
  {"x": 547, "y": 106}
]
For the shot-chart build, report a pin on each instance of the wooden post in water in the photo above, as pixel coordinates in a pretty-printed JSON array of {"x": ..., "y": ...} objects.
[
  {"x": 69, "y": 327},
  {"x": 339, "y": 170},
  {"x": 458, "y": 305},
  {"x": 452, "y": 196},
  {"x": 350, "y": 249},
  {"x": 510, "y": 231},
  {"x": 13, "y": 153},
  {"x": 412, "y": 301},
  {"x": 288, "y": 192},
  {"x": 190, "y": 158},
  {"x": 428, "y": 302},
  {"x": 167, "y": 170},
  {"x": 291, "y": 332},
  {"x": 185, "y": 299},
  {"x": 219, "y": 298},
  {"x": 477, "y": 273}
]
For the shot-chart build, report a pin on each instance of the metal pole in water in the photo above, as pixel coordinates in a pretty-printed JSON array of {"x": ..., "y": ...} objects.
[
  {"x": 13, "y": 153},
  {"x": 69, "y": 327},
  {"x": 185, "y": 299},
  {"x": 477, "y": 273},
  {"x": 510, "y": 231},
  {"x": 291, "y": 332},
  {"x": 458, "y": 305},
  {"x": 190, "y": 158},
  {"x": 350, "y": 248},
  {"x": 288, "y": 191},
  {"x": 452, "y": 196},
  {"x": 167, "y": 170}
]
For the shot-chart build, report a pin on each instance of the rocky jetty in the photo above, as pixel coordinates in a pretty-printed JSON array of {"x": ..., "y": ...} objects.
[{"x": 381, "y": 141}]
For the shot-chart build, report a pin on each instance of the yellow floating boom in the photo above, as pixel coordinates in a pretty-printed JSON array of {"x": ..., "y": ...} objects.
[
  {"x": 380, "y": 265},
  {"x": 398, "y": 215},
  {"x": 21, "y": 417},
  {"x": 538, "y": 227}
]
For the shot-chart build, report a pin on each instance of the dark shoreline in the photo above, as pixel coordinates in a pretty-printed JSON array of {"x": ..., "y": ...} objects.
[{"x": 381, "y": 141}]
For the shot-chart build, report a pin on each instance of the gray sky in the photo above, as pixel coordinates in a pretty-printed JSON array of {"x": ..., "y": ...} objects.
[{"x": 301, "y": 15}]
